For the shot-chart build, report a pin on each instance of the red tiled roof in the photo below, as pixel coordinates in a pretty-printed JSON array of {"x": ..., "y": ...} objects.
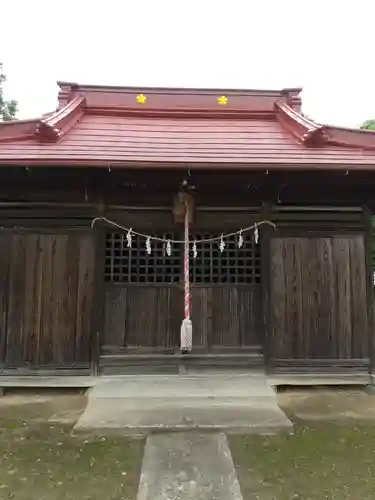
[{"x": 107, "y": 127}]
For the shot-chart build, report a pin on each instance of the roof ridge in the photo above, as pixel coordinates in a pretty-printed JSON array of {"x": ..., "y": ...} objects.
[
  {"x": 349, "y": 137},
  {"x": 17, "y": 130},
  {"x": 67, "y": 87}
]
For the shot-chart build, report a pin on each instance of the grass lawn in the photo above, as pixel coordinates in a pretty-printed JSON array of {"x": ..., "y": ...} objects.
[
  {"x": 320, "y": 461},
  {"x": 331, "y": 455},
  {"x": 40, "y": 460}
]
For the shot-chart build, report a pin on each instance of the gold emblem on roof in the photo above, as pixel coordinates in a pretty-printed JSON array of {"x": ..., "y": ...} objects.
[
  {"x": 222, "y": 100},
  {"x": 141, "y": 99}
]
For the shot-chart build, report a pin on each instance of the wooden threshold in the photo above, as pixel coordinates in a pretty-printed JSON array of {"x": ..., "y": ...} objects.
[{"x": 178, "y": 362}]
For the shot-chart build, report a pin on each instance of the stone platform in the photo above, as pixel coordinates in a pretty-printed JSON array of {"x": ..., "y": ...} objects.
[{"x": 143, "y": 404}]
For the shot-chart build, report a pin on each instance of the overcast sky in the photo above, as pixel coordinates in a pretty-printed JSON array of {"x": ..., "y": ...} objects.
[{"x": 325, "y": 46}]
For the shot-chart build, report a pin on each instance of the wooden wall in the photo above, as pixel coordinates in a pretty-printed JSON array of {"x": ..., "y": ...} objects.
[
  {"x": 318, "y": 301},
  {"x": 46, "y": 288},
  {"x": 312, "y": 297}
]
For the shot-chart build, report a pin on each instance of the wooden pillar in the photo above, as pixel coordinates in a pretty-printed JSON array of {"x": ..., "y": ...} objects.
[
  {"x": 265, "y": 256},
  {"x": 370, "y": 287},
  {"x": 5, "y": 256},
  {"x": 98, "y": 303}
]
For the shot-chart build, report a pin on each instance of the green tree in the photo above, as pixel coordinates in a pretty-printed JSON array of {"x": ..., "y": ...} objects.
[
  {"x": 8, "y": 109},
  {"x": 368, "y": 125}
]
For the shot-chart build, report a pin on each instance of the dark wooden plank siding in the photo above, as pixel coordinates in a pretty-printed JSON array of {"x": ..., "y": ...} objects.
[
  {"x": 14, "y": 341},
  {"x": 202, "y": 316},
  {"x": 150, "y": 316},
  {"x": 84, "y": 298},
  {"x": 45, "y": 302},
  {"x": 4, "y": 289},
  {"x": 141, "y": 316},
  {"x": 115, "y": 316},
  {"x": 226, "y": 316},
  {"x": 360, "y": 314},
  {"x": 318, "y": 298}
]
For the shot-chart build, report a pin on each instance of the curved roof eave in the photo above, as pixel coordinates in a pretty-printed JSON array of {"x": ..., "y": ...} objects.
[
  {"x": 51, "y": 127},
  {"x": 311, "y": 133}
]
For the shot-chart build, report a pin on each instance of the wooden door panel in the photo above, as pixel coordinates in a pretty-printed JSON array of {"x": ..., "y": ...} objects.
[
  {"x": 142, "y": 317},
  {"x": 226, "y": 316},
  {"x": 201, "y": 315},
  {"x": 144, "y": 298}
]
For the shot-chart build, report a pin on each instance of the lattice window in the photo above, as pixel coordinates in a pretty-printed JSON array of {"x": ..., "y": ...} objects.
[
  {"x": 233, "y": 266},
  {"x": 135, "y": 265}
]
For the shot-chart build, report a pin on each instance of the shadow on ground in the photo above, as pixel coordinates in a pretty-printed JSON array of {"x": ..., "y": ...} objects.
[{"x": 328, "y": 404}]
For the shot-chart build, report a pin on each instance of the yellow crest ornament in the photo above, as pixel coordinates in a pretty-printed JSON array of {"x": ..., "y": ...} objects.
[
  {"x": 222, "y": 100},
  {"x": 141, "y": 99}
]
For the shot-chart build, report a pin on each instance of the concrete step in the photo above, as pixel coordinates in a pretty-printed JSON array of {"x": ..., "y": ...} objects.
[
  {"x": 145, "y": 404},
  {"x": 219, "y": 417}
]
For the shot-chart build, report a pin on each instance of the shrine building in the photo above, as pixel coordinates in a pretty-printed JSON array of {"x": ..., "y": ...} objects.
[{"x": 128, "y": 211}]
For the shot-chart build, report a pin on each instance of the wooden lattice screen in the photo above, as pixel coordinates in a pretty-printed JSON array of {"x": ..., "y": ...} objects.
[
  {"x": 233, "y": 266},
  {"x": 134, "y": 265}
]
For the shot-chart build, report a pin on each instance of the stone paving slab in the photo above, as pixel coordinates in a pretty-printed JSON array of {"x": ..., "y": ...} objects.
[{"x": 188, "y": 467}]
